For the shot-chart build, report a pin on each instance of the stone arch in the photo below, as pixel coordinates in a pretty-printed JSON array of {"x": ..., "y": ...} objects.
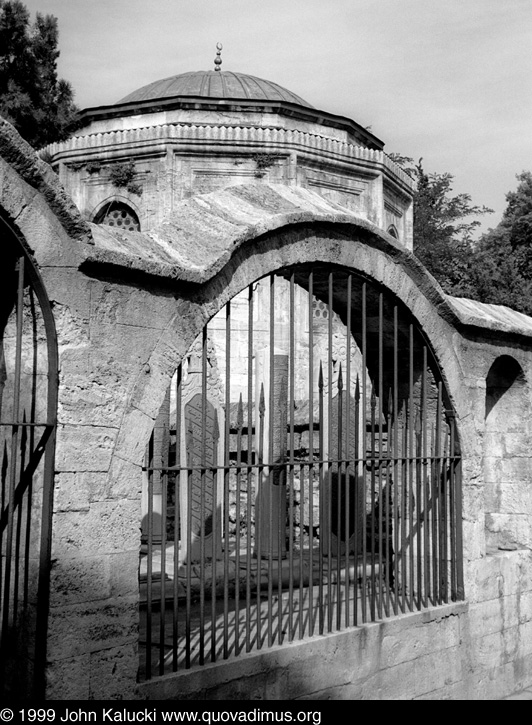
[
  {"x": 356, "y": 247},
  {"x": 416, "y": 385},
  {"x": 345, "y": 247},
  {"x": 507, "y": 456}
]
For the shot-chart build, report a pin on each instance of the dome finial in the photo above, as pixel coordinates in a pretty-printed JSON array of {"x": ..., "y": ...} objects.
[{"x": 218, "y": 59}]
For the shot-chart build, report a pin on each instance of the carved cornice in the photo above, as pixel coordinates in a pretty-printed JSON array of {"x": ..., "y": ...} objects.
[{"x": 186, "y": 134}]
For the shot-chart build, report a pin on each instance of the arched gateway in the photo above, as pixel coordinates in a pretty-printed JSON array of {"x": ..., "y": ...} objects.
[{"x": 303, "y": 475}]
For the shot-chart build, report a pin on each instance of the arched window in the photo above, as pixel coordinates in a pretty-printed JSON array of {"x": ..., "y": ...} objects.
[
  {"x": 303, "y": 476},
  {"x": 117, "y": 214},
  {"x": 28, "y": 403},
  {"x": 392, "y": 231}
]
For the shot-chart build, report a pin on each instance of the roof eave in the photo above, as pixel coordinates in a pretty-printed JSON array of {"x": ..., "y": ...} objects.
[{"x": 283, "y": 108}]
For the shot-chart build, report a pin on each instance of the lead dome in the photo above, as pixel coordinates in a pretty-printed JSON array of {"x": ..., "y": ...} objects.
[{"x": 212, "y": 84}]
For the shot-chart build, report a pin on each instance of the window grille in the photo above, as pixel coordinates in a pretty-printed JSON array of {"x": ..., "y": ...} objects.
[
  {"x": 28, "y": 402},
  {"x": 298, "y": 483},
  {"x": 116, "y": 214}
]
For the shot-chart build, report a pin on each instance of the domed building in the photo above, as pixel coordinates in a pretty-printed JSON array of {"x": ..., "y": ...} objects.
[
  {"x": 130, "y": 164},
  {"x": 250, "y": 449}
]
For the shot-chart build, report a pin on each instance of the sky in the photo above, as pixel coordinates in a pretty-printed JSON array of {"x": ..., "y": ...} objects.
[{"x": 449, "y": 81}]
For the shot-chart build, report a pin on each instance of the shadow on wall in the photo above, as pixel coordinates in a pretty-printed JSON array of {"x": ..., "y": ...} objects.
[{"x": 507, "y": 456}]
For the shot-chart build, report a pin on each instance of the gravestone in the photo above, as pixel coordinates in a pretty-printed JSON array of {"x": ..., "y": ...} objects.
[{"x": 202, "y": 439}]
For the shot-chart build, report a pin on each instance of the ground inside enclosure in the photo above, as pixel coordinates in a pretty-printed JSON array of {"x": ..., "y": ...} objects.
[{"x": 280, "y": 601}]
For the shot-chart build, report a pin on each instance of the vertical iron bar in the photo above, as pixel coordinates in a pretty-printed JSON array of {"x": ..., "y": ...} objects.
[
  {"x": 14, "y": 450},
  {"x": 164, "y": 494},
  {"x": 188, "y": 624},
  {"x": 311, "y": 472},
  {"x": 348, "y": 456},
  {"x": 271, "y": 472},
  {"x": 338, "y": 506},
  {"x": 301, "y": 545},
  {"x": 203, "y": 493},
  {"x": 426, "y": 521},
  {"x": 258, "y": 513},
  {"x": 419, "y": 542},
  {"x": 364, "y": 451},
  {"x": 396, "y": 467},
  {"x": 441, "y": 499},
  {"x": 149, "y": 562},
  {"x": 405, "y": 506},
  {"x": 330, "y": 455},
  {"x": 381, "y": 489},
  {"x": 227, "y": 482},
  {"x": 215, "y": 533},
  {"x": 249, "y": 468},
  {"x": 291, "y": 408},
  {"x": 18, "y": 527},
  {"x": 321, "y": 501},
  {"x": 389, "y": 514},
  {"x": 375, "y": 601},
  {"x": 445, "y": 523},
  {"x": 177, "y": 518},
  {"x": 358, "y": 477},
  {"x": 434, "y": 512},
  {"x": 238, "y": 491},
  {"x": 411, "y": 500}
]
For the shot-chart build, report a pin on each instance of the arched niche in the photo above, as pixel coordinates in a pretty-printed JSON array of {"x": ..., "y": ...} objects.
[{"x": 507, "y": 456}]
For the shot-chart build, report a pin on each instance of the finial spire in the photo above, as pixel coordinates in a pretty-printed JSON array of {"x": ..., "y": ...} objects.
[{"x": 218, "y": 59}]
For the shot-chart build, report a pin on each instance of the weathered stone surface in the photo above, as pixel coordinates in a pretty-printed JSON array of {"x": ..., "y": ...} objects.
[
  {"x": 108, "y": 527},
  {"x": 70, "y": 494},
  {"x": 85, "y": 579},
  {"x": 124, "y": 573},
  {"x": 66, "y": 679},
  {"x": 21, "y": 157},
  {"x": 84, "y": 448},
  {"x": 89, "y": 627},
  {"x": 113, "y": 672}
]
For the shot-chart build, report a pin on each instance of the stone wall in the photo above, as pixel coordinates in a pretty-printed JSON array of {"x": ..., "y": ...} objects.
[{"x": 122, "y": 330}]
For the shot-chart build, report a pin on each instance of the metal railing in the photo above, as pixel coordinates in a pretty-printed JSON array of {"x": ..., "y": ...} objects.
[
  {"x": 303, "y": 476},
  {"x": 28, "y": 409}
]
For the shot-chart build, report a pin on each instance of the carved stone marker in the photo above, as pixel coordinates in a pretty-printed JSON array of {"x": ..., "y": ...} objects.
[{"x": 202, "y": 440}]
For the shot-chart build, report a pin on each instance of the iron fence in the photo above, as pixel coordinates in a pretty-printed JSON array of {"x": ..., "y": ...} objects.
[
  {"x": 303, "y": 476},
  {"x": 28, "y": 404}
]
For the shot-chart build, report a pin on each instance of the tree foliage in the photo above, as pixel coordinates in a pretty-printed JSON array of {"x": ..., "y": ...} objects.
[
  {"x": 32, "y": 98},
  {"x": 502, "y": 269},
  {"x": 497, "y": 268},
  {"x": 444, "y": 225}
]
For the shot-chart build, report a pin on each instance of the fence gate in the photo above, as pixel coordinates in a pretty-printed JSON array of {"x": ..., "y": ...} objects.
[
  {"x": 28, "y": 402},
  {"x": 303, "y": 476}
]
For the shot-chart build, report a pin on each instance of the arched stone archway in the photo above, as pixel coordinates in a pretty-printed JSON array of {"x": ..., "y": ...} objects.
[
  {"x": 305, "y": 247},
  {"x": 395, "y": 269}
]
